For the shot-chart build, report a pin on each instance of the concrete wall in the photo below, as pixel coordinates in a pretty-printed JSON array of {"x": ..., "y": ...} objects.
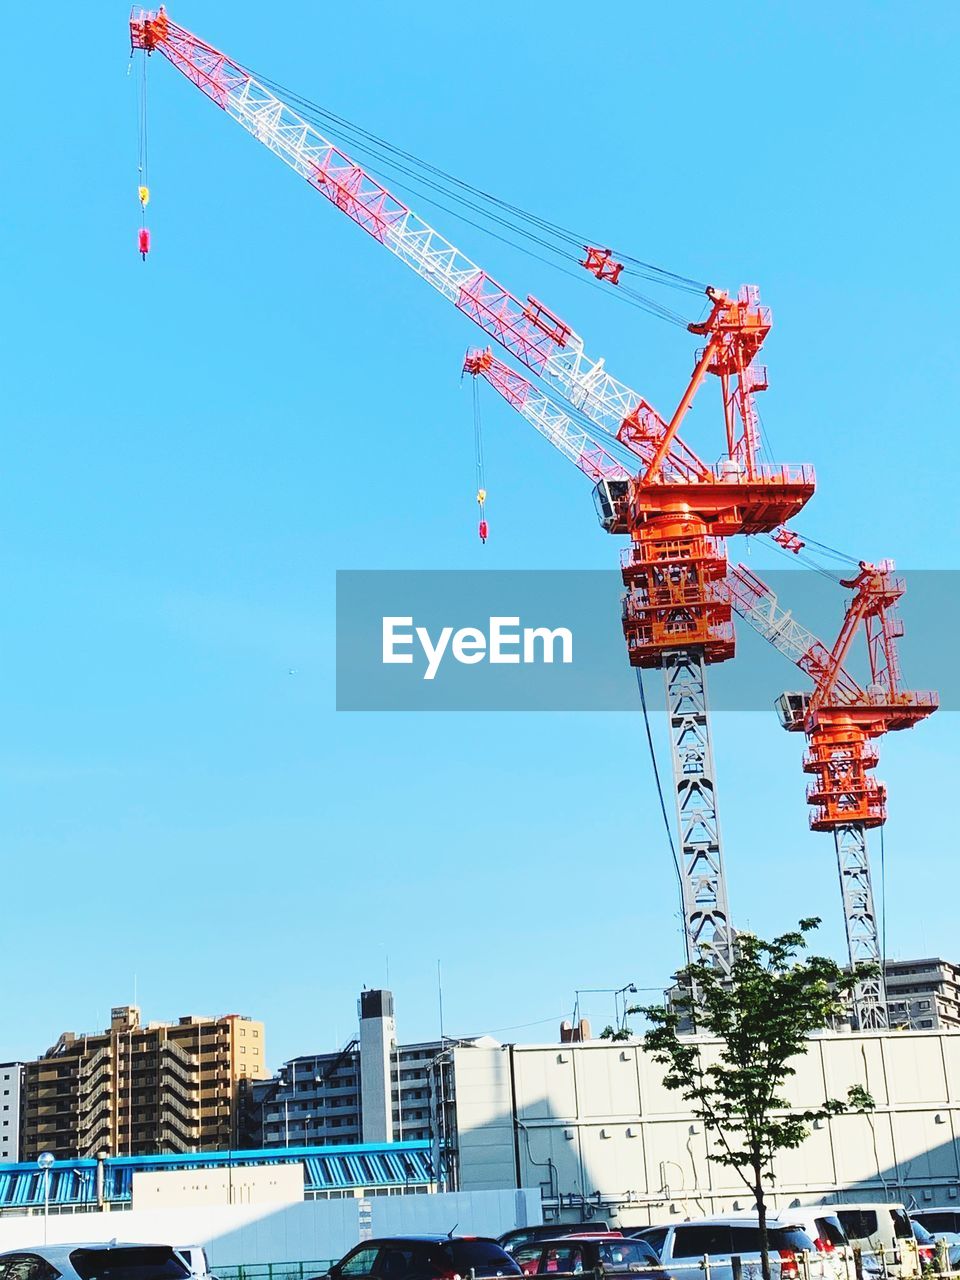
[
  {"x": 255, "y": 1184},
  {"x": 311, "y": 1231},
  {"x": 10, "y": 1076},
  {"x": 595, "y": 1125}
]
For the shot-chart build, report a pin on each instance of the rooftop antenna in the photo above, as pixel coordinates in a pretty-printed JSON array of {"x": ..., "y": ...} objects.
[{"x": 440, "y": 999}]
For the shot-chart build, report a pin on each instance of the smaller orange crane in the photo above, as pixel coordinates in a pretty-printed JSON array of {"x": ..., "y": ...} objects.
[{"x": 842, "y": 720}]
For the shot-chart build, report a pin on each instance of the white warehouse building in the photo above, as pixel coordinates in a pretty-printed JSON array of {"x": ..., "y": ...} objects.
[{"x": 593, "y": 1127}]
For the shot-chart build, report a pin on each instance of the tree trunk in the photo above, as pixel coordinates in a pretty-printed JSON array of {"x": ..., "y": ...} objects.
[{"x": 761, "y": 1219}]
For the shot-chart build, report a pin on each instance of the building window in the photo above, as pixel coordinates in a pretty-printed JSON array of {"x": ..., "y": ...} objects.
[{"x": 924, "y": 1004}]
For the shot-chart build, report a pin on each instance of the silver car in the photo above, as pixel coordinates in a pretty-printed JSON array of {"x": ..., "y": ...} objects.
[{"x": 86, "y": 1261}]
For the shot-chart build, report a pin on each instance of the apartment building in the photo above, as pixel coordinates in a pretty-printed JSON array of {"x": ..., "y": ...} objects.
[
  {"x": 10, "y": 1074},
  {"x": 923, "y": 995},
  {"x": 347, "y": 1097},
  {"x": 143, "y": 1090}
]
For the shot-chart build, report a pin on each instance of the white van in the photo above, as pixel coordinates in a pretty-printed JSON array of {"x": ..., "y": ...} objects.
[
  {"x": 824, "y": 1228},
  {"x": 883, "y": 1234},
  {"x": 682, "y": 1246}
]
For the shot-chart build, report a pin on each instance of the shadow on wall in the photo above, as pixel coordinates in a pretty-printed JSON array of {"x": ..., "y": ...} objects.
[
  {"x": 598, "y": 1134},
  {"x": 306, "y": 1231}
]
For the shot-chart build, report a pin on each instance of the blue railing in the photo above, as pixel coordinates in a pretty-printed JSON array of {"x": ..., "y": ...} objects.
[{"x": 74, "y": 1182}]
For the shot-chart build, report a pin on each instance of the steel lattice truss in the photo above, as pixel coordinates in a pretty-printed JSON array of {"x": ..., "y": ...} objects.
[
  {"x": 703, "y": 884},
  {"x": 863, "y": 935}
]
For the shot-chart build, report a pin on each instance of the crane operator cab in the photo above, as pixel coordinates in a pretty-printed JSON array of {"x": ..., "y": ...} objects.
[
  {"x": 610, "y": 500},
  {"x": 792, "y": 709}
]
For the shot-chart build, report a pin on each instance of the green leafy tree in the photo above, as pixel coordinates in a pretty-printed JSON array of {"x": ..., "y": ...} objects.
[
  {"x": 761, "y": 1016},
  {"x": 615, "y": 1033}
]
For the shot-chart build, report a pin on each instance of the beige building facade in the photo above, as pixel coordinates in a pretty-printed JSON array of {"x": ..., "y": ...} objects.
[{"x": 143, "y": 1090}]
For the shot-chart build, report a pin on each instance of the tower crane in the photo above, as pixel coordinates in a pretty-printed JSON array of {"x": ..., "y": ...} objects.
[
  {"x": 676, "y": 509},
  {"x": 841, "y": 720}
]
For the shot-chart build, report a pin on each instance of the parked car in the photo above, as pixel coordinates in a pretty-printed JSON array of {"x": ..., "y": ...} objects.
[
  {"x": 194, "y": 1258},
  {"x": 943, "y": 1224},
  {"x": 111, "y": 1261},
  {"x": 824, "y": 1229},
  {"x": 938, "y": 1220},
  {"x": 607, "y": 1252},
  {"x": 686, "y": 1243},
  {"x": 547, "y": 1231},
  {"x": 425, "y": 1258},
  {"x": 926, "y": 1244},
  {"x": 884, "y": 1235}
]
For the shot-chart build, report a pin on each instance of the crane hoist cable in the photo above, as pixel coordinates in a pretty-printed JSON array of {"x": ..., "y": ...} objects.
[
  {"x": 143, "y": 157},
  {"x": 482, "y": 528},
  {"x": 657, "y": 779},
  {"x": 539, "y": 231}
]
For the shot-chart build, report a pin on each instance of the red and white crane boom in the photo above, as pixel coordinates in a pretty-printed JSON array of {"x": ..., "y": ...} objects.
[{"x": 529, "y": 330}]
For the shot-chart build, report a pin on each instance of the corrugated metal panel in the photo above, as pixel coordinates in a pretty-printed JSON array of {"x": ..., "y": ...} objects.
[{"x": 361, "y": 1165}]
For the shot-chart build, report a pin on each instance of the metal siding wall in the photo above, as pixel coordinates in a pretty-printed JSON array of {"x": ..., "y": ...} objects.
[
  {"x": 567, "y": 1094},
  {"x": 484, "y": 1119}
]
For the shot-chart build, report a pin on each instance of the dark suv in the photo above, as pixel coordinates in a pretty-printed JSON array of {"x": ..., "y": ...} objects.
[
  {"x": 610, "y": 1254},
  {"x": 425, "y": 1258}
]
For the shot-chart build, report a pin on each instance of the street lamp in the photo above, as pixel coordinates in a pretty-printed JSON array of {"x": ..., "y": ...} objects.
[
  {"x": 44, "y": 1161},
  {"x": 618, "y": 993}
]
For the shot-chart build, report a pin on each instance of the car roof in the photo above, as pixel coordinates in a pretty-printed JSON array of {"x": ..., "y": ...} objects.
[
  {"x": 63, "y": 1250},
  {"x": 428, "y": 1239},
  {"x": 590, "y": 1237},
  {"x": 860, "y": 1204},
  {"x": 936, "y": 1208},
  {"x": 737, "y": 1219}
]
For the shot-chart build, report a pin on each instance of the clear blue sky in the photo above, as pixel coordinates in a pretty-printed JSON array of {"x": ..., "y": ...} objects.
[{"x": 194, "y": 446}]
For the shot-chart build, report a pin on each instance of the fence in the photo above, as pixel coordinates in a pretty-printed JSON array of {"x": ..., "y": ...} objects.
[
  {"x": 840, "y": 1264},
  {"x": 276, "y": 1270}
]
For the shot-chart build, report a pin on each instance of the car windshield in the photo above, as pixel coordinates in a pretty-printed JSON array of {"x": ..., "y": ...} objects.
[
  {"x": 626, "y": 1253},
  {"x": 939, "y": 1221},
  {"x": 136, "y": 1262}
]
